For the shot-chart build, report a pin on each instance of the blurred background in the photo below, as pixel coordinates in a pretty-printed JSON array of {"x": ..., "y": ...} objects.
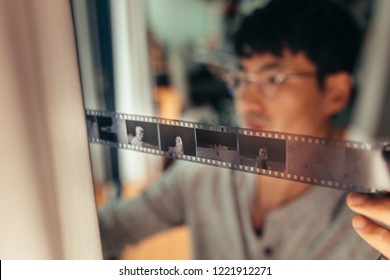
[
  {"x": 148, "y": 57},
  {"x": 153, "y": 58}
]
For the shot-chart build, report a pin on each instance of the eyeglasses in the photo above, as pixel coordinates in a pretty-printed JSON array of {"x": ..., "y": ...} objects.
[{"x": 268, "y": 83}]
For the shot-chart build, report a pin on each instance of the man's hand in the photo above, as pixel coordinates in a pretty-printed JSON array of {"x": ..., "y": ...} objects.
[{"x": 372, "y": 209}]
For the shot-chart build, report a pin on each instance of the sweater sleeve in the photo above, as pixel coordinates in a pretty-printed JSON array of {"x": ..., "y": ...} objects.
[{"x": 158, "y": 208}]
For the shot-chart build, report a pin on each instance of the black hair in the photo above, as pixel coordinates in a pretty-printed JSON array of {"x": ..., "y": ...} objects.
[{"x": 323, "y": 30}]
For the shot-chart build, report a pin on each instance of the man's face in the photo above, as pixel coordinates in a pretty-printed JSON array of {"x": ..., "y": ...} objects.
[
  {"x": 262, "y": 153},
  {"x": 296, "y": 107},
  {"x": 140, "y": 133}
]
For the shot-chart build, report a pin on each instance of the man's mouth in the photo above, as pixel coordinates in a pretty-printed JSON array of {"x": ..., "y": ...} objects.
[{"x": 255, "y": 122}]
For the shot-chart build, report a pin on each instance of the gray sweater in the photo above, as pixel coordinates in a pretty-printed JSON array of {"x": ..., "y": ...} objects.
[{"x": 215, "y": 203}]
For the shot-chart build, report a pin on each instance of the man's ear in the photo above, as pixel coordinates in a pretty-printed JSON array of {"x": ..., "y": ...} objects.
[{"x": 337, "y": 89}]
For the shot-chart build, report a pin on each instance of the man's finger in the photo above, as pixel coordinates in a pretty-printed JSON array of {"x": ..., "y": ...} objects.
[
  {"x": 375, "y": 208},
  {"x": 375, "y": 235}
]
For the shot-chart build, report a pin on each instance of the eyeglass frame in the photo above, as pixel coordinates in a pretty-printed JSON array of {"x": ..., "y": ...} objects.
[{"x": 279, "y": 78}]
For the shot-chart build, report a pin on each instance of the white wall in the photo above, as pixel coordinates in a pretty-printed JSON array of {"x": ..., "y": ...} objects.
[
  {"x": 133, "y": 83},
  {"x": 371, "y": 106},
  {"x": 47, "y": 207}
]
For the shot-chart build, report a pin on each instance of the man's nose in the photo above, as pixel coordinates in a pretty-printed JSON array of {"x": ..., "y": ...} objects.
[{"x": 251, "y": 92}]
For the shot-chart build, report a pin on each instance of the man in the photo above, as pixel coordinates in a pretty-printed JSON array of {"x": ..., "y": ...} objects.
[
  {"x": 261, "y": 159},
  {"x": 139, "y": 135},
  {"x": 178, "y": 149},
  {"x": 297, "y": 59}
]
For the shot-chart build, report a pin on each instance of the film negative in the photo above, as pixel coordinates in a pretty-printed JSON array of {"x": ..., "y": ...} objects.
[{"x": 338, "y": 164}]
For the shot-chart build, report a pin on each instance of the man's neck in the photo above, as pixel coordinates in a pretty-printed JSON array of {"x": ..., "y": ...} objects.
[{"x": 272, "y": 193}]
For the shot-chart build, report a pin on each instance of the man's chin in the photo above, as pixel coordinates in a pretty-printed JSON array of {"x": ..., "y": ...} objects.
[{"x": 256, "y": 126}]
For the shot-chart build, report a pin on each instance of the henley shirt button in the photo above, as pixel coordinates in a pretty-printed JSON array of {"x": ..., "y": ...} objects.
[{"x": 268, "y": 251}]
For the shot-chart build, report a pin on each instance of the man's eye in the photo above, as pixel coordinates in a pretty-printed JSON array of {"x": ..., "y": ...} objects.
[{"x": 276, "y": 79}]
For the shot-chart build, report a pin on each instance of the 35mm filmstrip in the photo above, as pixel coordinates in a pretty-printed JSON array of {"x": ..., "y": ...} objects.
[{"x": 344, "y": 165}]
